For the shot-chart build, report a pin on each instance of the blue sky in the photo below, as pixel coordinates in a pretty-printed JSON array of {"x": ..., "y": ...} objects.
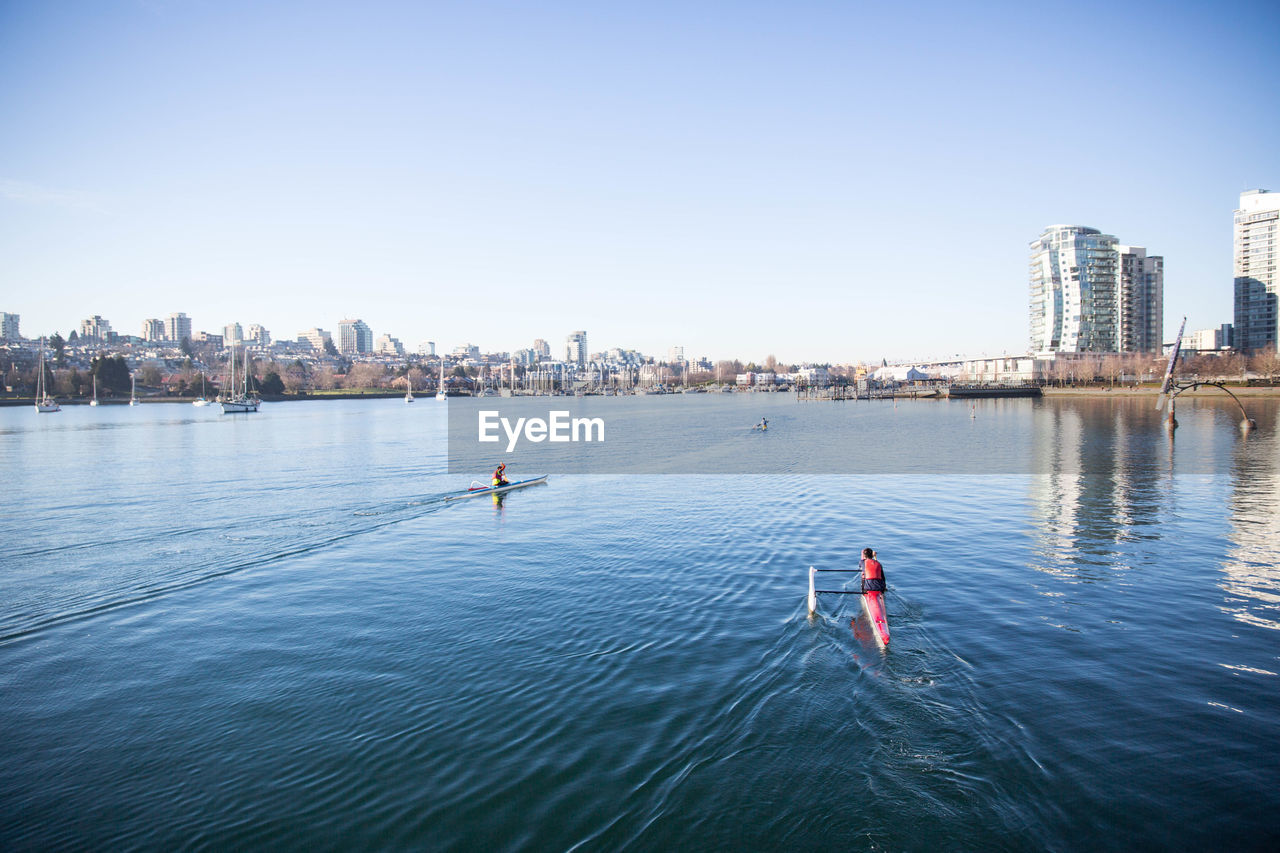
[{"x": 817, "y": 180}]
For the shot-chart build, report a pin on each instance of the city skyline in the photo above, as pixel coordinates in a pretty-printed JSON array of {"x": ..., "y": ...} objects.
[{"x": 821, "y": 183}]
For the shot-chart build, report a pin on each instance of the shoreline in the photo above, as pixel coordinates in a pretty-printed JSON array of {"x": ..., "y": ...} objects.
[
  {"x": 1046, "y": 391},
  {"x": 1152, "y": 391}
]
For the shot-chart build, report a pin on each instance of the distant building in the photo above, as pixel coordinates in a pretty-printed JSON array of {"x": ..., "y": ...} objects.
[
  {"x": 95, "y": 330},
  {"x": 388, "y": 345},
  {"x": 259, "y": 335},
  {"x": 1256, "y": 241},
  {"x": 208, "y": 339},
  {"x": 153, "y": 331},
  {"x": 233, "y": 334},
  {"x": 1140, "y": 297},
  {"x": 675, "y": 355},
  {"x": 9, "y": 326},
  {"x": 354, "y": 337},
  {"x": 541, "y": 350},
  {"x": 427, "y": 348},
  {"x": 1089, "y": 293},
  {"x": 575, "y": 349},
  {"x": 1208, "y": 340},
  {"x": 466, "y": 351},
  {"x": 1073, "y": 276},
  {"x": 177, "y": 328},
  {"x": 316, "y": 337}
]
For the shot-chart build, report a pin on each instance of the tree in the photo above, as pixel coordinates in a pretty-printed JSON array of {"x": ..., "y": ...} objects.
[
  {"x": 272, "y": 384},
  {"x": 187, "y": 349},
  {"x": 329, "y": 348},
  {"x": 324, "y": 379},
  {"x": 150, "y": 375},
  {"x": 1111, "y": 368},
  {"x": 365, "y": 375},
  {"x": 112, "y": 373},
  {"x": 59, "y": 349},
  {"x": 1266, "y": 363}
]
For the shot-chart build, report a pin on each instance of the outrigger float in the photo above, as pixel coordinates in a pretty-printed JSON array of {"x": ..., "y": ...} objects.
[
  {"x": 872, "y": 603},
  {"x": 478, "y": 489}
]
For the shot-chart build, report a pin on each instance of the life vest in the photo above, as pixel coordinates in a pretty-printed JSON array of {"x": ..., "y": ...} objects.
[
  {"x": 872, "y": 575},
  {"x": 498, "y": 479}
]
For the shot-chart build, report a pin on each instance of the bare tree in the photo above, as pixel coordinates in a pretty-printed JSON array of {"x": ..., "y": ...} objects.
[
  {"x": 365, "y": 375},
  {"x": 1111, "y": 367},
  {"x": 1266, "y": 363},
  {"x": 324, "y": 379}
]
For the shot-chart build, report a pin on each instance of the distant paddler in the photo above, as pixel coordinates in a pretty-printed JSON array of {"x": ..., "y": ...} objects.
[
  {"x": 499, "y": 477},
  {"x": 764, "y": 424}
]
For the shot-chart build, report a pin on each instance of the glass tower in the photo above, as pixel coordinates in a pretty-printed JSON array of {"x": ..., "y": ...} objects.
[
  {"x": 1074, "y": 283},
  {"x": 1256, "y": 314}
]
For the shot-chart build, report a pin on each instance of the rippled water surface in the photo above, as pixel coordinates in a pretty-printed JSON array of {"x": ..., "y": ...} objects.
[{"x": 272, "y": 630}]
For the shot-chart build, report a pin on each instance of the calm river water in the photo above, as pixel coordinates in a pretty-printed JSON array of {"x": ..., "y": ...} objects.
[{"x": 272, "y": 631}]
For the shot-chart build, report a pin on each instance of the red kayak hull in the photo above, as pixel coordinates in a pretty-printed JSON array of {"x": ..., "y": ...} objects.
[{"x": 873, "y": 604}]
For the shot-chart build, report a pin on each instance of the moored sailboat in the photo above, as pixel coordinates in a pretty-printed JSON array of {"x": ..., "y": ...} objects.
[
  {"x": 44, "y": 402},
  {"x": 239, "y": 398},
  {"x": 203, "y": 399}
]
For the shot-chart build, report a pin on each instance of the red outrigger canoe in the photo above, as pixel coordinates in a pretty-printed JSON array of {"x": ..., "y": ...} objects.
[{"x": 873, "y": 604}]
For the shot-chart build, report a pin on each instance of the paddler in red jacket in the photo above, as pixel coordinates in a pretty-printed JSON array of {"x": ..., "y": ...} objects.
[
  {"x": 499, "y": 478},
  {"x": 872, "y": 572}
]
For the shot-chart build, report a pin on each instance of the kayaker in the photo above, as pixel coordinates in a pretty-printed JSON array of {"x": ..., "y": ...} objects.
[
  {"x": 764, "y": 423},
  {"x": 872, "y": 572},
  {"x": 499, "y": 479}
]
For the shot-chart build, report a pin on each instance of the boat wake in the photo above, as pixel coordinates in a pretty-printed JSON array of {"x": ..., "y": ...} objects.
[{"x": 77, "y": 580}]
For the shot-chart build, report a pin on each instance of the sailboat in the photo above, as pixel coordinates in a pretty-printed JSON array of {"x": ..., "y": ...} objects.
[
  {"x": 94, "y": 401},
  {"x": 44, "y": 403},
  {"x": 408, "y": 384},
  {"x": 238, "y": 400},
  {"x": 202, "y": 400},
  {"x": 440, "y": 395},
  {"x": 483, "y": 389},
  {"x": 133, "y": 390}
]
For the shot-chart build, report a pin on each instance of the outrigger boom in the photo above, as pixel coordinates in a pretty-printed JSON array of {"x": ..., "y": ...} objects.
[{"x": 813, "y": 593}]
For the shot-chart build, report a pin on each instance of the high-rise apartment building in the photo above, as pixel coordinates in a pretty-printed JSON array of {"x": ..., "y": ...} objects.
[
  {"x": 354, "y": 337},
  {"x": 1073, "y": 291},
  {"x": 177, "y": 328},
  {"x": 575, "y": 348},
  {"x": 1140, "y": 297},
  {"x": 9, "y": 326},
  {"x": 233, "y": 334},
  {"x": 95, "y": 329},
  {"x": 1089, "y": 293},
  {"x": 541, "y": 350},
  {"x": 153, "y": 330},
  {"x": 1256, "y": 286},
  {"x": 259, "y": 335}
]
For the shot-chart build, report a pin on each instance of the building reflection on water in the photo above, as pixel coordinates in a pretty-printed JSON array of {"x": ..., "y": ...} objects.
[
  {"x": 1102, "y": 470},
  {"x": 1251, "y": 570},
  {"x": 1108, "y": 475}
]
